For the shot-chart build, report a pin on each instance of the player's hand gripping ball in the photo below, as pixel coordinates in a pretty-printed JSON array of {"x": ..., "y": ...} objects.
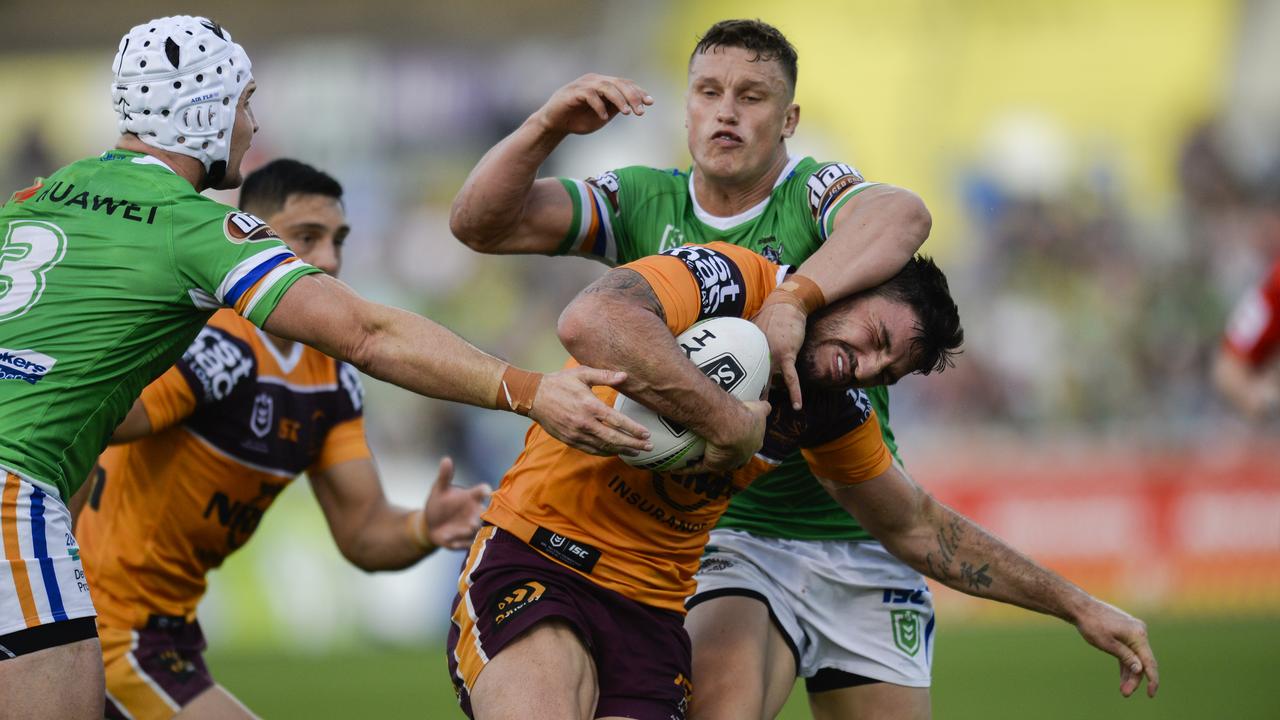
[{"x": 731, "y": 351}]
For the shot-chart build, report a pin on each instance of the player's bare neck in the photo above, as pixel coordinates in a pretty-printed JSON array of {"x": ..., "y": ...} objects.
[
  {"x": 726, "y": 198},
  {"x": 186, "y": 167}
]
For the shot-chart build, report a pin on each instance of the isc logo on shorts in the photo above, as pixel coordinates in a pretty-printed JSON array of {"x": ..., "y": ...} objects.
[{"x": 516, "y": 598}]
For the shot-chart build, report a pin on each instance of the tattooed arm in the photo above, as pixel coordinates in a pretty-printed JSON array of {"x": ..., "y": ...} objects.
[
  {"x": 618, "y": 323},
  {"x": 950, "y": 548}
]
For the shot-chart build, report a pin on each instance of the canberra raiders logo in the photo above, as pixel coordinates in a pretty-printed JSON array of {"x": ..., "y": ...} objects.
[
  {"x": 771, "y": 250},
  {"x": 906, "y": 630}
]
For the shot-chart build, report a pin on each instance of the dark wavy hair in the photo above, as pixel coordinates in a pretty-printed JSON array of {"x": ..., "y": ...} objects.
[
  {"x": 764, "y": 40},
  {"x": 922, "y": 285}
]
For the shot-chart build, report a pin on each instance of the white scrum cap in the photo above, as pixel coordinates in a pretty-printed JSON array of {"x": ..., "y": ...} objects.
[{"x": 177, "y": 82}]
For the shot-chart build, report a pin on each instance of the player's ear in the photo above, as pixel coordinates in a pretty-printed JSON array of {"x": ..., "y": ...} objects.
[{"x": 791, "y": 120}]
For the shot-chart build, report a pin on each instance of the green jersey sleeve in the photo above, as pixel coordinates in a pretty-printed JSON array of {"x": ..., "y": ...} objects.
[
  {"x": 225, "y": 257},
  {"x": 605, "y": 223},
  {"x": 827, "y": 189}
]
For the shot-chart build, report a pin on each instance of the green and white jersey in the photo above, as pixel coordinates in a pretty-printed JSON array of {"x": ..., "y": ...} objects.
[
  {"x": 108, "y": 270},
  {"x": 629, "y": 213}
]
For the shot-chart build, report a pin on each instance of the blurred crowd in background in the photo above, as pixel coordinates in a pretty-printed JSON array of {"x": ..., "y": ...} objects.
[{"x": 1104, "y": 180}]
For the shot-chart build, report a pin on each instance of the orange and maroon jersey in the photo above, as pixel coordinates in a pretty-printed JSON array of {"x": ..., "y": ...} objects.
[
  {"x": 1253, "y": 332},
  {"x": 641, "y": 533},
  {"x": 234, "y": 422}
]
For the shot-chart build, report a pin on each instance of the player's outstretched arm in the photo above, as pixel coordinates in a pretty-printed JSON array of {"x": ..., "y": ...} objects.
[
  {"x": 619, "y": 322},
  {"x": 875, "y": 234},
  {"x": 420, "y": 355},
  {"x": 373, "y": 534},
  {"x": 500, "y": 208},
  {"x": 950, "y": 548}
]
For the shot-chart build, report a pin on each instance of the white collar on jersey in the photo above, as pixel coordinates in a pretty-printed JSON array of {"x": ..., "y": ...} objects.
[
  {"x": 152, "y": 160},
  {"x": 726, "y": 223},
  {"x": 287, "y": 364}
]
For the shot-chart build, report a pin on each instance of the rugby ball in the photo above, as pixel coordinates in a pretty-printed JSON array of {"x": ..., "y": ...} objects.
[{"x": 729, "y": 350}]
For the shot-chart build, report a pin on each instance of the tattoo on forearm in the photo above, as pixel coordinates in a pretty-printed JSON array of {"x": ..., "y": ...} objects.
[
  {"x": 975, "y": 578},
  {"x": 628, "y": 284},
  {"x": 936, "y": 571},
  {"x": 949, "y": 538}
]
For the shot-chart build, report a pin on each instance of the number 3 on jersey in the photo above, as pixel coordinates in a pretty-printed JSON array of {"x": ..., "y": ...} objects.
[{"x": 29, "y": 250}]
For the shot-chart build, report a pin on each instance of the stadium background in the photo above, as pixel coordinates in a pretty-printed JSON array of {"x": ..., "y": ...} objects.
[{"x": 1088, "y": 165}]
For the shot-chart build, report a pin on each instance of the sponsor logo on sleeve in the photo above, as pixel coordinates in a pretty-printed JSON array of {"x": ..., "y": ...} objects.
[
  {"x": 827, "y": 183},
  {"x": 217, "y": 363},
  {"x": 27, "y": 365},
  {"x": 241, "y": 227},
  {"x": 609, "y": 185},
  {"x": 721, "y": 285}
]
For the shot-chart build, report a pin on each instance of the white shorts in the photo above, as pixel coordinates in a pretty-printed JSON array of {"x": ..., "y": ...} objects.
[
  {"x": 842, "y": 606},
  {"x": 41, "y": 578}
]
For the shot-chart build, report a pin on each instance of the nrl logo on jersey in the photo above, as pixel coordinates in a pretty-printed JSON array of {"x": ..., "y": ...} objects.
[
  {"x": 27, "y": 365},
  {"x": 241, "y": 227},
  {"x": 263, "y": 411}
]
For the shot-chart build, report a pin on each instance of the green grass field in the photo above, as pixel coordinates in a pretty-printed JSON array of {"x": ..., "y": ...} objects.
[{"x": 1210, "y": 668}]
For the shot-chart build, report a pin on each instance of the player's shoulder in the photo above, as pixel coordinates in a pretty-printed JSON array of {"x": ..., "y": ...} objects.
[
  {"x": 141, "y": 175},
  {"x": 808, "y": 167},
  {"x": 205, "y": 216},
  {"x": 824, "y": 178},
  {"x": 647, "y": 174},
  {"x": 639, "y": 180},
  {"x": 829, "y": 414}
]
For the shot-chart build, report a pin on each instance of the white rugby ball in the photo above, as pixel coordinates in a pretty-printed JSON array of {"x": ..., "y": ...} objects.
[{"x": 729, "y": 350}]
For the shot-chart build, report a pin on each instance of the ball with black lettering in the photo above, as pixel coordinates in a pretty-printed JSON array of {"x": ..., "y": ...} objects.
[{"x": 731, "y": 351}]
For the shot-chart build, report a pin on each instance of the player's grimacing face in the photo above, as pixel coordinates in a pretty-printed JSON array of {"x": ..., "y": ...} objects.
[
  {"x": 246, "y": 126},
  {"x": 738, "y": 112},
  {"x": 314, "y": 227},
  {"x": 864, "y": 343}
]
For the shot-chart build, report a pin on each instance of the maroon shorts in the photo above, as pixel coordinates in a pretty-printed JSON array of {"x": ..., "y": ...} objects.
[
  {"x": 642, "y": 654},
  {"x": 155, "y": 671}
]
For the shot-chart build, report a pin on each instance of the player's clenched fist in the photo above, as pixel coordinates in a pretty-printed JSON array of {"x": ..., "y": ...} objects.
[
  {"x": 567, "y": 409},
  {"x": 590, "y": 102}
]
